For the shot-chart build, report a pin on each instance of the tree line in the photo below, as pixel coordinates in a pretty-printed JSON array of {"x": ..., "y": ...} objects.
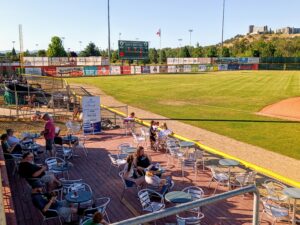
[{"x": 238, "y": 46}]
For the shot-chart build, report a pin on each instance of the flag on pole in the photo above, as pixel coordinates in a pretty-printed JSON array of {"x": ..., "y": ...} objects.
[{"x": 158, "y": 32}]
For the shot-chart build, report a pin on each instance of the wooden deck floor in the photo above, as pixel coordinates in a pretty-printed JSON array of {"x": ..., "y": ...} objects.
[{"x": 93, "y": 170}]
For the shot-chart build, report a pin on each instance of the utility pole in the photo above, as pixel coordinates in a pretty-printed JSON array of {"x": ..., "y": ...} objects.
[
  {"x": 108, "y": 26},
  {"x": 223, "y": 27},
  {"x": 190, "y": 30}
]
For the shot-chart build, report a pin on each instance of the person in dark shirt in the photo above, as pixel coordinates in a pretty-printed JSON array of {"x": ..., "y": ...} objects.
[
  {"x": 142, "y": 161},
  {"x": 28, "y": 169},
  {"x": 46, "y": 201},
  {"x": 152, "y": 136}
]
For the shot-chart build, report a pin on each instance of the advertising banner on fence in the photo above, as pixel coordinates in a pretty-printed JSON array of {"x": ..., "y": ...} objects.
[
  {"x": 233, "y": 66},
  {"x": 136, "y": 70},
  {"x": 49, "y": 71},
  {"x": 163, "y": 69},
  {"x": 202, "y": 67},
  {"x": 222, "y": 67},
  {"x": 103, "y": 70},
  {"x": 115, "y": 70},
  {"x": 69, "y": 71},
  {"x": 145, "y": 69},
  {"x": 90, "y": 71},
  {"x": 34, "y": 71},
  {"x": 171, "y": 69},
  {"x": 125, "y": 70},
  {"x": 91, "y": 114},
  {"x": 154, "y": 69},
  {"x": 187, "y": 68}
]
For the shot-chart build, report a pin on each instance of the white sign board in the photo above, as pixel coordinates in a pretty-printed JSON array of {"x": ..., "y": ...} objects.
[{"x": 91, "y": 114}]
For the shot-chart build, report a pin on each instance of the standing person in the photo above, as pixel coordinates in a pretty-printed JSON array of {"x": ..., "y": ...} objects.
[
  {"x": 48, "y": 132},
  {"x": 152, "y": 136}
]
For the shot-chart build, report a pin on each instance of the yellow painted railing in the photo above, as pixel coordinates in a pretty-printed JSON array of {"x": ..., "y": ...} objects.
[{"x": 252, "y": 166}]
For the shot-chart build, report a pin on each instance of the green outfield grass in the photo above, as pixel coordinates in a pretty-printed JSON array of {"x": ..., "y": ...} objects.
[{"x": 222, "y": 102}]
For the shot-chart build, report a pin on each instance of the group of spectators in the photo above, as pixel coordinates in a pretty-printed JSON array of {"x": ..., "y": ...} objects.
[
  {"x": 158, "y": 134},
  {"x": 140, "y": 170}
]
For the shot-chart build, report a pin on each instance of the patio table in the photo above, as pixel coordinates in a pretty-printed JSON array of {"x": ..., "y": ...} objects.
[
  {"x": 228, "y": 163},
  {"x": 82, "y": 196},
  {"x": 129, "y": 150},
  {"x": 178, "y": 197}
]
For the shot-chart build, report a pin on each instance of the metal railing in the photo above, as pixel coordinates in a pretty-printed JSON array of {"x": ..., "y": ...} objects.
[{"x": 202, "y": 202}]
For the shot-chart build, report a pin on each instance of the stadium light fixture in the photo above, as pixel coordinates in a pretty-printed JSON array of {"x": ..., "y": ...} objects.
[
  {"x": 108, "y": 27},
  {"x": 223, "y": 27},
  {"x": 191, "y": 30}
]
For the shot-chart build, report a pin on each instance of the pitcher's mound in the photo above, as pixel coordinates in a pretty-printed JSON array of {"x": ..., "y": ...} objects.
[{"x": 285, "y": 109}]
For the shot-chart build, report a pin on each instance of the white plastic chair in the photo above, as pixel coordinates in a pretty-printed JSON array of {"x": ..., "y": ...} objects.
[
  {"x": 50, "y": 162},
  {"x": 123, "y": 146},
  {"x": 138, "y": 140},
  {"x": 189, "y": 164},
  {"x": 193, "y": 220},
  {"x": 277, "y": 213},
  {"x": 196, "y": 193},
  {"x": 125, "y": 186},
  {"x": 147, "y": 204},
  {"x": 244, "y": 179},
  {"x": 275, "y": 191},
  {"x": 100, "y": 205},
  {"x": 218, "y": 176},
  {"x": 175, "y": 153},
  {"x": 117, "y": 161}
]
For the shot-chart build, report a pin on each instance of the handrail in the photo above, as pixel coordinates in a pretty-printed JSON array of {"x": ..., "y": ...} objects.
[
  {"x": 201, "y": 202},
  {"x": 247, "y": 164},
  {"x": 2, "y": 210}
]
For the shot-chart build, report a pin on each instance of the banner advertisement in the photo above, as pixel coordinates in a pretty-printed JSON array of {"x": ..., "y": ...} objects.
[
  {"x": 171, "y": 69},
  {"x": 154, "y": 69},
  {"x": 90, "y": 70},
  {"x": 222, "y": 67},
  {"x": 34, "y": 71},
  {"x": 115, "y": 70},
  {"x": 91, "y": 114},
  {"x": 69, "y": 71},
  {"x": 103, "y": 70},
  {"x": 136, "y": 70},
  {"x": 145, "y": 69},
  {"x": 163, "y": 69},
  {"x": 187, "y": 68}
]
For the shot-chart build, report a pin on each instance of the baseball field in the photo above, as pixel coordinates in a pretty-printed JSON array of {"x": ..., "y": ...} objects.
[{"x": 222, "y": 102}]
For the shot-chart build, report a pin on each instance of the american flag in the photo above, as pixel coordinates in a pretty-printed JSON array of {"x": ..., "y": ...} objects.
[{"x": 158, "y": 32}]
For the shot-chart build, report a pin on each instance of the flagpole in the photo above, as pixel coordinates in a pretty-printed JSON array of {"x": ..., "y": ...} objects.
[{"x": 160, "y": 46}]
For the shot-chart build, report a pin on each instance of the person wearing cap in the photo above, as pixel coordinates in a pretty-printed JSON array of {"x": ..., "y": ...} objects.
[
  {"x": 46, "y": 201},
  {"x": 48, "y": 132}
]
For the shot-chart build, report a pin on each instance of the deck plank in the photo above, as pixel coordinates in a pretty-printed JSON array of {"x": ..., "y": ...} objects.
[{"x": 94, "y": 171}]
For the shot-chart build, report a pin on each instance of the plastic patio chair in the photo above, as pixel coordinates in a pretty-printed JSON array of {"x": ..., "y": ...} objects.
[
  {"x": 277, "y": 213},
  {"x": 192, "y": 220},
  {"x": 196, "y": 193},
  {"x": 218, "y": 176},
  {"x": 125, "y": 186},
  {"x": 275, "y": 191},
  {"x": 100, "y": 205},
  {"x": 117, "y": 161}
]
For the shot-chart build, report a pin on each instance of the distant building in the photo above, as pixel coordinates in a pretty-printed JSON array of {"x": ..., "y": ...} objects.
[
  {"x": 258, "y": 30},
  {"x": 288, "y": 30}
]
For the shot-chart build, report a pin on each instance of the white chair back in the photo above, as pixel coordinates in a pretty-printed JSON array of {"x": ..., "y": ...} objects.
[{"x": 144, "y": 199}]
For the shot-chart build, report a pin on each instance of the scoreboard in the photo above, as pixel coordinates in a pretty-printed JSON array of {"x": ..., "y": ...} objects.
[{"x": 133, "y": 50}]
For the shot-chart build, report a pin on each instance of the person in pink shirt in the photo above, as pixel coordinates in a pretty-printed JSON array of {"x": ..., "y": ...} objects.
[{"x": 48, "y": 132}]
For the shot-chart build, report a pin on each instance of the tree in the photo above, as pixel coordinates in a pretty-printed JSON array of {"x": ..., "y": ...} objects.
[
  {"x": 56, "y": 48},
  {"x": 153, "y": 56},
  {"x": 184, "y": 52},
  {"x": 212, "y": 51},
  {"x": 72, "y": 54},
  {"x": 226, "y": 52},
  {"x": 90, "y": 50},
  {"x": 42, "y": 53},
  {"x": 114, "y": 57},
  {"x": 163, "y": 56}
]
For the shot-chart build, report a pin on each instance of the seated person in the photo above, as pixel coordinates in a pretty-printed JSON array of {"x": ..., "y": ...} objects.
[
  {"x": 9, "y": 149},
  {"x": 153, "y": 179},
  {"x": 96, "y": 220},
  {"x": 45, "y": 201},
  {"x": 142, "y": 161},
  {"x": 164, "y": 132},
  {"x": 131, "y": 176},
  {"x": 28, "y": 169},
  {"x": 12, "y": 140}
]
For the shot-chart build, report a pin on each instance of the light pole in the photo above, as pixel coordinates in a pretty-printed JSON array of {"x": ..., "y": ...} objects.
[
  {"x": 223, "y": 27},
  {"x": 80, "y": 42},
  {"x": 13, "y": 42},
  {"x": 120, "y": 35},
  {"x": 179, "y": 40},
  {"x": 190, "y": 30},
  {"x": 63, "y": 41},
  {"x": 108, "y": 27},
  {"x": 136, "y": 39},
  {"x": 36, "y": 46}
]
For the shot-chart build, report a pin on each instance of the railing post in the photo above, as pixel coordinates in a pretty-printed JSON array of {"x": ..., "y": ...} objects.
[{"x": 255, "y": 219}]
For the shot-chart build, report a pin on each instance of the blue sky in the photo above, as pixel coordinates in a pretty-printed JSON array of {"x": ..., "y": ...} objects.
[{"x": 86, "y": 20}]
